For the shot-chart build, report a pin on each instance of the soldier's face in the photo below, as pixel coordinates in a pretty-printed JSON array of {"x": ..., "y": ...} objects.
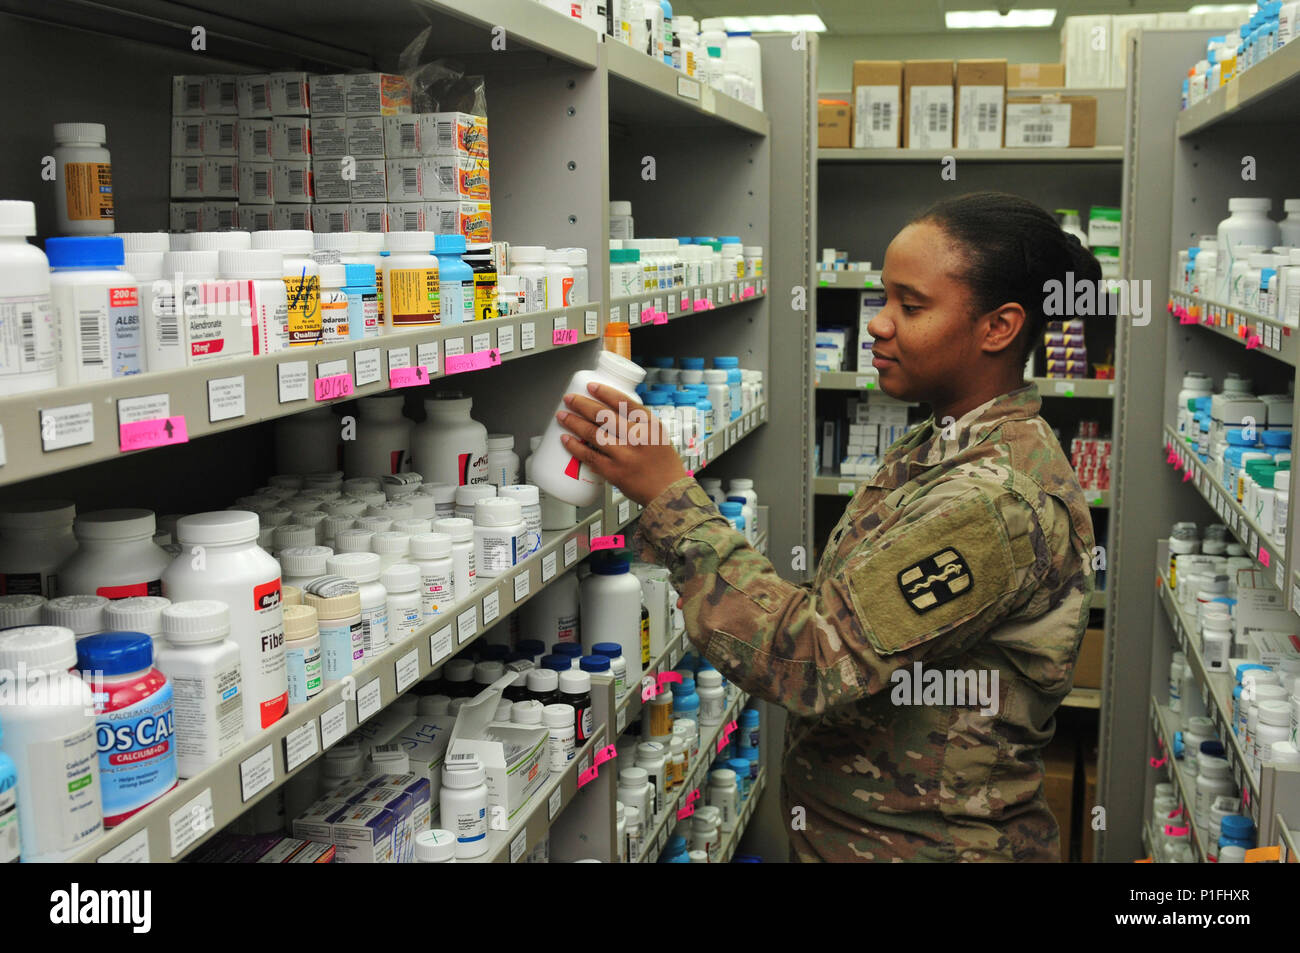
[{"x": 926, "y": 342}]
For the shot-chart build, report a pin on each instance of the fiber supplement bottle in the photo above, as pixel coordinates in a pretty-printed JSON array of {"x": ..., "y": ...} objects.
[{"x": 220, "y": 559}]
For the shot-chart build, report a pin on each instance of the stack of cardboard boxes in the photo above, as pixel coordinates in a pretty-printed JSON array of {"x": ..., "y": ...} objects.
[
  {"x": 858, "y": 442},
  {"x": 1090, "y": 457},
  {"x": 1067, "y": 354},
  {"x": 939, "y": 104},
  {"x": 324, "y": 152}
]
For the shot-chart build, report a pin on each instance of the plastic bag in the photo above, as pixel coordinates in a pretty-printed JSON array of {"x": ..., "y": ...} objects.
[{"x": 442, "y": 85}]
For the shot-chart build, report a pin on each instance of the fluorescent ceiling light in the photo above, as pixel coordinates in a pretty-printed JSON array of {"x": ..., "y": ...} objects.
[
  {"x": 798, "y": 23},
  {"x": 1221, "y": 8},
  {"x": 993, "y": 20}
]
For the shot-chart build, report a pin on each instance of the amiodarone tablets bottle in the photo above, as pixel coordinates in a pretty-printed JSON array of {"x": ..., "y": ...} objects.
[
  {"x": 134, "y": 721},
  {"x": 203, "y": 666},
  {"x": 220, "y": 559},
  {"x": 28, "y": 356},
  {"x": 337, "y": 601},
  {"x": 334, "y": 311},
  {"x": 411, "y": 282},
  {"x": 84, "y": 199},
  {"x": 35, "y": 539},
  {"x": 97, "y": 310},
  {"x": 49, "y": 732},
  {"x": 364, "y": 570},
  {"x": 116, "y": 555},
  {"x": 302, "y": 654}
]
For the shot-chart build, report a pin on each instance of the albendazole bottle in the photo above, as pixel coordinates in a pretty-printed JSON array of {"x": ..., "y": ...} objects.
[
  {"x": 97, "y": 310},
  {"x": 203, "y": 666},
  {"x": 28, "y": 359}
]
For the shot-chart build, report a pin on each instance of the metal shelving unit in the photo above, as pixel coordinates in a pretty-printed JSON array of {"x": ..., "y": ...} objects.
[
  {"x": 1264, "y": 93},
  {"x": 1092, "y": 154},
  {"x": 1160, "y": 723},
  {"x": 1252, "y": 331}
]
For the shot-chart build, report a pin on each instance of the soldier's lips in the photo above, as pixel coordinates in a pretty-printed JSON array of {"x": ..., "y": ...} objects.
[{"x": 880, "y": 363}]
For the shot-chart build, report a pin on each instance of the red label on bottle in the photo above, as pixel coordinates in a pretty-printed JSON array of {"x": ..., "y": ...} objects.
[
  {"x": 571, "y": 471},
  {"x": 274, "y": 710},
  {"x": 395, "y": 461},
  {"x": 267, "y": 595},
  {"x": 207, "y": 347},
  {"x": 462, "y": 468},
  {"x": 151, "y": 588}
]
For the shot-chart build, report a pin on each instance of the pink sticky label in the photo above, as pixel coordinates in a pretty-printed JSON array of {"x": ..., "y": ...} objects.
[
  {"x": 661, "y": 317},
  {"x": 1263, "y": 557},
  {"x": 693, "y": 796},
  {"x": 564, "y": 336},
  {"x": 690, "y": 473},
  {"x": 474, "y": 361},
  {"x": 1186, "y": 318},
  {"x": 687, "y": 304},
  {"x": 726, "y": 733},
  {"x": 1187, "y": 474},
  {"x": 408, "y": 376},
  {"x": 1176, "y": 812},
  {"x": 152, "y": 433},
  {"x": 685, "y": 812},
  {"x": 1245, "y": 796},
  {"x": 1175, "y": 831},
  {"x": 605, "y": 754},
  {"x": 335, "y": 386},
  {"x": 606, "y": 542},
  {"x": 1158, "y": 762},
  {"x": 589, "y": 775},
  {"x": 666, "y": 677},
  {"x": 701, "y": 304},
  {"x": 746, "y": 293},
  {"x": 1253, "y": 341}
]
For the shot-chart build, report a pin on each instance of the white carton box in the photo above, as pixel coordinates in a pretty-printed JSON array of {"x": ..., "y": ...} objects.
[
  {"x": 425, "y": 743},
  {"x": 326, "y": 96},
  {"x": 255, "y": 140},
  {"x": 293, "y": 182},
  {"x": 444, "y": 133},
  {"x": 221, "y": 178},
  {"x": 328, "y": 184},
  {"x": 291, "y": 138},
  {"x": 877, "y": 116},
  {"x": 187, "y": 178},
  {"x": 220, "y": 97},
  {"x": 329, "y": 137},
  {"x": 370, "y": 183},
  {"x": 979, "y": 125},
  {"x": 930, "y": 117},
  {"x": 188, "y": 93},
  {"x": 379, "y": 730},
  {"x": 289, "y": 94},
  {"x": 471, "y": 219},
  {"x": 313, "y": 824},
  {"x": 368, "y": 217},
  {"x": 256, "y": 218},
  {"x": 330, "y": 218},
  {"x": 221, "y": 136},
  {"x": 256, "y": 183},
  {"x": 220, "y": 216},
  {"x": 438, "y": 179},
  {"x": 291, "y": 216},
  {"x": 406, "y": 216},
  {"x": 253, "y": 94},
  {"x": 1275, "y": 648},
  {"x": 376, "y": 94},
  {"x": 365, "y": 137},
  {"x": 188, "y": 133},
  {"x": 513, "y": 755},
  {"x": 364, "y": 834},
  {"x": 1121, "y": 27},
  {"x": 185, "y": 217}
]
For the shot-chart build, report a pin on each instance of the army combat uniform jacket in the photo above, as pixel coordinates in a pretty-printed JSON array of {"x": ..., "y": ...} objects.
[{"x": 965, "y": 562}]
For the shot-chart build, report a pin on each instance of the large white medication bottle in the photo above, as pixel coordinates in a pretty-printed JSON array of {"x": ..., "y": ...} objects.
[
  {"x": 450, "y": 446},
  {"x": 51, "y": 738},
  {"x": 97, "y": 310},
  {"x": 220, "y": 559},
  {"x": 554, "y": 470},
  {"x": 117, "y": 557},
  {"x": 382, "y": 443},
  {"x": 1247, "y": 224},
  {"x": 84, "y": 198},
  {"x": 28, "y": 360},
  {"x": 35, "y": 540},
  {"x": 611, "y": 609}
]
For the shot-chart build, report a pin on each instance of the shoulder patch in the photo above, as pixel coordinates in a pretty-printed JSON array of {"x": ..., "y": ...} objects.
[{"x": 936, "y": 580}]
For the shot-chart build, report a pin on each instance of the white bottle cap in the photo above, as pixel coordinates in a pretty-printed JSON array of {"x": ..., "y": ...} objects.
[
  {"x": 18, "y": 218},
  {"x": 337, "y": 241},
  {"x": 304, "y": 560},
  {"x": 333, "y": 276},
  {"x": 196, "y": 621},
  {"x": 471, "y": 493},
  {"x": 115, "y": 524},
  {"x": 616, "y": 207},
  {"x": 431, "y": 545},
  {"x": 300, "y": 622},
  {"x": 25, "y": 609},
  {"x": 291, "y": 241},
  {"x": 39, "y": 648},
  {"x": 434, "y": 704},
  {"x": 485, "y": 673},
  {"x": 461, "y": 770},
  {"x": 290, "y": 480},
  {"x": 355, "y": 484},
  {"x": 80, "y": 132},
  {"x": 136, "y": 614},
  {"x": 528, "y": 712},
  {"x": 191, "y": 265},
  {"x": 557, "y": 256},
  {"x": 1250, "y": 205},
  {"x": 575, "y": 682},
  {"x": 459, "y": 670},
  {"x": 414, "y": 525},
  {"x": 631, "y": 777},
  {"x": 441, "y": 492},
  {"x": 497, "y": 511},
  {"x": 369, "y": 497},
  {"x": 220, "y": 241},
  {"x": 361, "y": 567},
  {"x": 84, "y": 615},
  {"x": 353, "y": 540},
  {"x": 577, "y": 257},
  {"x": 558, "y": 716},
  {"x": 255, "y": 263},
  {"x": 742, "y": 484},
  {"x": 391, "y": 509},
  {"x": 501, "y": 441},
  {"x": 543, "y": 680},
  {"x": 132, "y": 241},
  {"x": 37, "y": 514},
  {"x": 527, "y": 254},
  {"x": 376, "y": 524},
  {"x": 722, "y": 778},
  {"x": 709, "y": 678},
  {"x": 435, "y": 847},
  {"x": 293, "y": 536},
  {"x": 422, "y": 507},
  {"x": 372, "y": 243},
  {"x": 412, "y": 242},
  {"x": 525, "y": 493},
  {"x": 390, "y": 762},
  {"x": 401, "y": 577}
]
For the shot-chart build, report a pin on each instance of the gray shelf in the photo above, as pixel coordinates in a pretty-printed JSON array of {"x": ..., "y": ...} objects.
[
  {"x": 1088, "y": 388},
  {"x": 1264, "y": 93},
  {"x": 868, "y": 380},
  {"x": 644, "y": 91},
  {"x": 1160, "y": 721},
  {"x": 848, "y": 280},
  {"x": 1277, "y": 340},
  {"x": 1091, "y": 154},
  {"x": 684, "y": 303}
]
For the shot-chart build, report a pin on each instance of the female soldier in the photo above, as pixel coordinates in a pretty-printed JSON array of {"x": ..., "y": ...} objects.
[{"x": 963, "y": 564}]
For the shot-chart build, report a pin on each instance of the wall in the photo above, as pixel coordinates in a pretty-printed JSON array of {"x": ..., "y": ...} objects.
[{"x": 837, "y": 53}]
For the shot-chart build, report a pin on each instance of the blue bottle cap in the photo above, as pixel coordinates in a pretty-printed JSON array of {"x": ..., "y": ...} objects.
[
  {"x": 569, "y": 649},
  {"x": 725, "y": 363},
  {"x": 749, "y": 717},
  {"x": 608, "y": 649},
  {"x": 605, "y": 562},
  {"x": 730, "y": 509},
  {"x": 594, "y": 663},
  {"x": 491, "y": 652},
  {"x": 693, "y": 363},
  {"x": 1237, "y": 827},
  {"x": 558, "y": 663},
  {"x": 1212, "y": 748},
  {"x": 115, "y": 653},
  {"x": 85, "y": 251},
  {"x": 358, "y": 274},
  {"x": 449, "y": 244},
  {"x": 656, "y": 398},
  {"x": 532, "y": 647},
  {"x": 661, "y": 362},
  {"x": 685, "y": 687}
]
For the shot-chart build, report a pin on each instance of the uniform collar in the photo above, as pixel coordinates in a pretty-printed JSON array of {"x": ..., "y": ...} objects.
[{"x": 927, "y": 446}]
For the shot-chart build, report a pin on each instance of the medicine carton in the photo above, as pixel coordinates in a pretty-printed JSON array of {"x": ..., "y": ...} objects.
[
  {"x": 256, "y": 218},
  {"x": 326, "y": 95},
  {"x": 293, "y": 182},
  {"x": 981, "y": 94},
  {"x": 368, "y": 217},
  {"x": 257, "y": 183},
  {"x": 512, "y": 755},
  {"x": 1086, "y": 43},
  {"x": 369, "y": 183},
  {"x": 877, "y": 104},
  {"x": 471, "y": 219},
  {"x": 219, "y": 94},
  {"x": 365, "y": 136},
  {"x": 253, "y": 94},
  {"x": 425, "y": 743},
  {"x": 379, "y": 730},
  {"x": 290, "y": 94},
  {"x": 219, "y": 216},
  {"x": 221, "y": 136},
  {"x": 188, "y": 93},
  {"x": 290, "y": 850},
  {"x": 313, "y": 824},
  {"x": 330, "y": 218},
  {"x": 296, "y": 216},
  {"x": 444, "y": 133},
  {"x": 1051, "y": 122},
  {"x": 420, "y": 789},
  {"x": 328, "y": 181},
  {"x": 1104, "y": 225},
  {"x": 364, "y": 834},
  {"x": 291, "y": 138},
  {"x": 438, "y": 179},
  {"x": 834, "y": 124},
  {"x": 406, "y": 216},
  {"x": 376, "y": 94},
  {"x": 254, "y": 137},
  {"x": 221, "y": 178},
  {"x": 402, "y": 807},
  {"x": 928, "y": 104},
  {"x": 185, "y": 217},
  {"x": 187, "y": 136},
  {"x": 187, "y": 178},
  {"x": 1275, "y": 648},
  {"x": 329, "y": 137}
]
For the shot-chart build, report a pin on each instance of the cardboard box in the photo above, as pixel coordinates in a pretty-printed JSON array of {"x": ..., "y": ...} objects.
[
  {"x": 1086, "y": 45},
  {"x": 188, "y": 134},
  {"x": 1122, "y": 26},
  {"x": 220, "y": 97},
  {"x": 834, "y": 124},
  {"x": 438, "y": 179},
  {"x": 445, "y": 133},
  {"x": 257, "y": 183},
  {"x": 326, "y": 95},
  {"x": 188, "y": 178},
  {"x": 365, "y": 137},
  {"x": 290, "y": 94},
  {"x": 1035, "y": 75},
  {"x": 291, "y": 138},
  {"x": 256, "y": 218},
  {"x": 514, "y": 756},
  {"x": 291, "y": 216},
  {"x": 376, "y": 94},
  {"x": 369, "y": 183},
  {"x": 253, "y": 96},
  {"x": 329, "y": 137},
  {"x": 364, "y": 834},
  {"x": 1058, "y": 788},
  {"x": 294, "y": 182},
  {"x": 221, "y": 178},
  {"x": 184, "y": 217},
  {"x": 877, "y": 104},
  {"x": 1051, "y": 122},
  {"x": 328, "y": 183},
  {"x": 471, "y": 219},
  {"x": 219, "y": 216},
  {"x": 981, "y": 94},
  {"x": 330, "y": 218},
  {"x": 425, "y": 743},
  {"x": 254, "y": 136},
  {"x": 406, "y": 216},
  {"x": 368, "y": 217},
  {"x": 188, "y": 93},
  {"x": 1088, "y": 666},
  {"x": 928, "y": 104}
]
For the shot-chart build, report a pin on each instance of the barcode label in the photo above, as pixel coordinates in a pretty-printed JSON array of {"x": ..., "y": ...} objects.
[
  {"x": 406, "y": 137},
  {"x": 446, "y": 135},
  {"x": 259, "y": 141},
  {"x": 192, "y": 132},
  {"x": 410, "y": 221},
  {"x": 293, "y": 94},
  {"x": 295, "y": 180},
  {"x": 259, "y": 93},
  {"x": 936, "y": 116},
  {"x": 386, "y": 748},
  {"x": 1037, "y": 132},
  {"x": 168, "y": 326},
  {"x": 194, "y": 96},
  {"x": 882, "y": 116},
  {"x": 986, "y": 117},
  {"x": 295, "y": 138},
  {"x": 445, "y": 174},
  {"x": 463, "y": 756},
  {"x": 191, "y": 178},
  {"x": 447, "y": 220},
  {"x": 261, "y": 183},
  {"x": 29, "y": 338},
  {"x": 374, "y": 221},
  {"x": 227, "y": 135},
  {"x": 411, "y": 180}
]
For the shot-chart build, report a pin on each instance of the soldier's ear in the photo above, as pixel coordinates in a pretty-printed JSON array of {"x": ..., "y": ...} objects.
[{"x": 1001, "y": 327}]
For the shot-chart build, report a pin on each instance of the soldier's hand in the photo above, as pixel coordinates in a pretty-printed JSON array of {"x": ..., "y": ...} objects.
[{"x": 622, "y": 441}]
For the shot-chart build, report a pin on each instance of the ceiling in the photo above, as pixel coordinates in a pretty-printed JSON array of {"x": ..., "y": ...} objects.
[{"x": 864, "y": 17}]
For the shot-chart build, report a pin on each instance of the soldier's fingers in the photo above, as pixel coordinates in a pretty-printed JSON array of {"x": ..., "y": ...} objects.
[
  {"x": 593, "y": 458},
  {"x": 614, "y": 398},
  {"x": 586, "y": 407},
  {"x": 578, "y": 425}
]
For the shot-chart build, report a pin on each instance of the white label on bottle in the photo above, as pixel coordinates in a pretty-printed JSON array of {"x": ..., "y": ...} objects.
[
  {"x": 634, "y": 312},
  {"x": 426, "y": 356},
  {"x": 527, "y": 336},
  {"x": 67, "y": 806},
  {"x": 505, "y": 339},
  {"x": 491, "y": 607},
  {"x": 466, "y": 625},
  {"x": 69, "y": 426},
  {"x": 342, "y": 646},
  {"x": 150, "y": 407},
  {"x": 300, "y": 744},
  {"x": 399, "y": 357},
  {"x": 548, "y": 566},
  {"x": 407, "y": 670},
  {"x": 225, "y": 398},
  {"x": 293, "y": 381},
  {"x": 374, "y": 628},
  {"x": 521, "y": 586},
  {"x": 256, "y": 773},
  {"x": 481, "y": 342},
  {"x": 368, "y": 700},
  {"x": 440, "y": 646},
  {"x": 133, "y": 850},
  {"x": 367, "y": 366},
  {"x": 333, "y": 725},
  {"x": 191, "y": 821},
  {"x": 570, "y": 552}
]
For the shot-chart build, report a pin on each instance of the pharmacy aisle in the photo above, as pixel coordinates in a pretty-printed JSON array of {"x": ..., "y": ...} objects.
[{"x": 287, "y": 531}]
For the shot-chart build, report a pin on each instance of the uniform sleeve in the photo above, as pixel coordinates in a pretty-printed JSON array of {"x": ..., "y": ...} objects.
[{"x": 949, "y": 568}]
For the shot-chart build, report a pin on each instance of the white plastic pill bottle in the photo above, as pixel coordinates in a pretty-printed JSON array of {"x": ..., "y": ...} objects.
[
  {"x": 299, "y": 565},
  {"x": 84, "y": 198},
  {"x": 302, "y": 654},
  {"x": 450, "y": 446},
  {"x": 435, "y": 847},
  {"x": 28, "y": 358},
  {"x": 334, "y": 304},
  {"x": 557, "y": 472},
  {"x": 503, "y": 462},
  {"x": 461, "y": 532},
  {"x": 97, "y": 310},
  {"x": 137, "y": 614},
  {"x": 500, "y": 535},
  {"x": 558, "y": 719},
  {"x": 528, "y": 265},
  {"x": 83, "y": 614},
  {"x": 35, "y": 540},
  {"x": 410, "y": 288},
  {"x": 116, "y": 555},
  {"x": 431, "y": 555},
  {"x": 559, "y": 280},
  {"x": 301, "y": 275},
  {"x": 463, "y": 803},
  {"x": 364, "y": 570},
  {"x": 203, "y": 667},
  {"x": 401, "y": 581},
  {"x": 382, "y": 442},
  {"x": 220, "y": 559},
  {"x": 556, "y": 514},
  {"x": 259, "y": 290},
  {"x": 51, "y": 738},
  {"x": 530, "y": 508},
  {"x": 337, "y": 601}
]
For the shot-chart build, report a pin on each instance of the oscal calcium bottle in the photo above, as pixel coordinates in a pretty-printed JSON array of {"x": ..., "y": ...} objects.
[
  {"x": 220, "y": 559},
  {"x": 553, "y": 469}
]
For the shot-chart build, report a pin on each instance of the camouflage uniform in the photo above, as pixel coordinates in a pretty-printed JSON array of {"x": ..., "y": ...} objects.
[{"x": 971, "y": 553}]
